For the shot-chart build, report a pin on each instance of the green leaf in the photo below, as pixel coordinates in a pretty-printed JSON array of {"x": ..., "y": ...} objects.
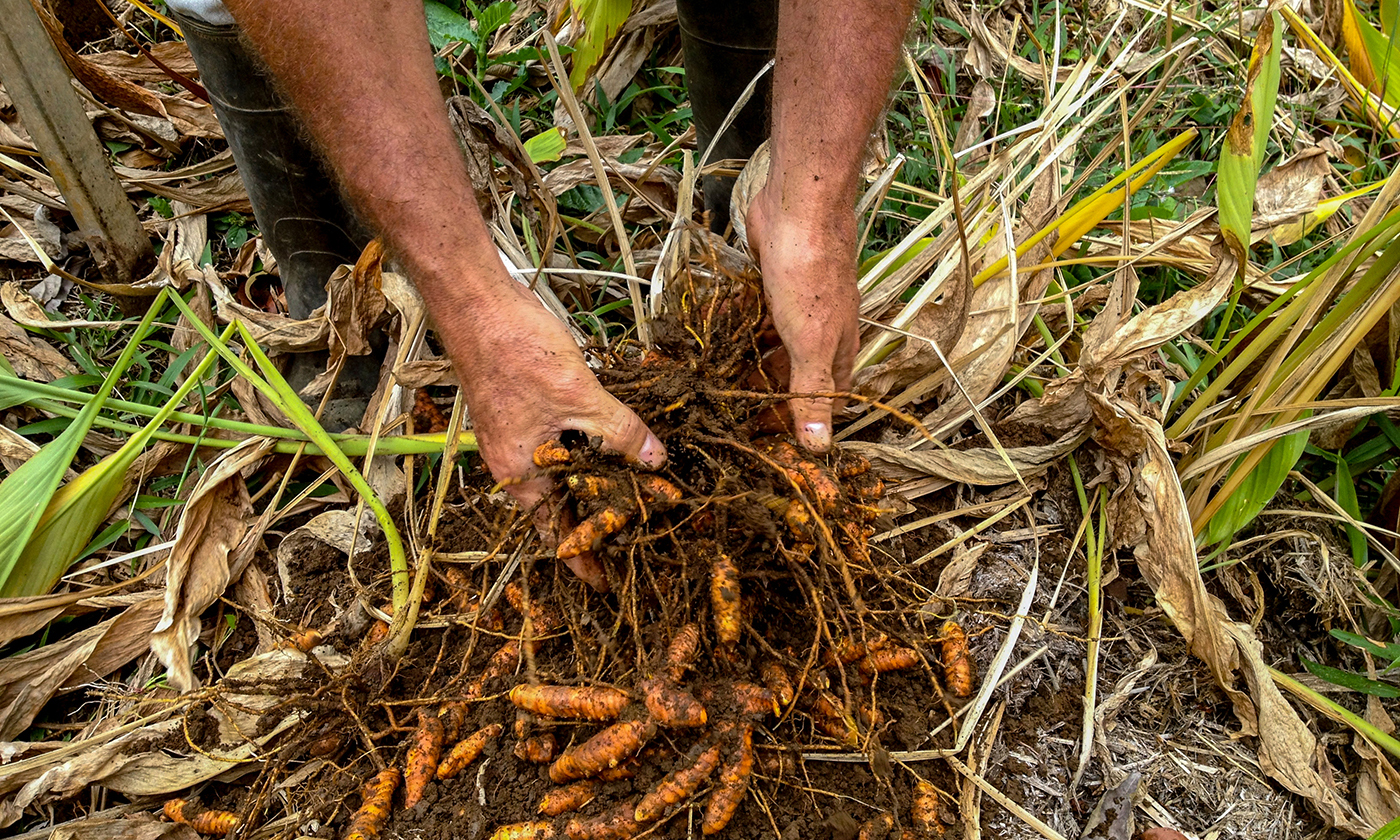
[
  {"x": 1347, "y": 679},
  {"x": 446, "y": 26},
  {"x": 1256, "y": 491},
  {"x": 1389, "y": 831},
  {"x": 1385, "y": 62},
  {"x": 1389, "y": 651},
  {"x": 601, "y": 20},
  {"x": 1345, "y": 493},
  {"x": 1242, "y": 154},
  {"x": 547, "y": 146},
  {"x": 493, "y": 17},
  {"x": 26, "y": 493}
]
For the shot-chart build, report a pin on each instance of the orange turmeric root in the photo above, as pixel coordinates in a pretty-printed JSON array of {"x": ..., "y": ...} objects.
[
  {"x": 681, "y": 652},
  {"x": 831, "y": 717},
  {"x": 725, "y": 599},
  {"x": 957, "y": 661},
  {"x": 775, "y": 677},
  {"x": 658, "y": 490},
  {"x": 924, "y": 812},
  {"x": 421, "y": 764},
  {"x": 454, "y": 717},
  {"x": 467, "y": 750},
  {"x": 876, "y": 828},
  {"x": 615, "y": 824},
  {"x": 205, "y": 822},
  {"x": 754, "y": 700},
  {"x": 540, "y": 749},
  {"x": 852, "y": 464},
  {"x": 889, "y": 659},
  {"x": 591, "y": 532},
  {"x": 608, "y": 748},
  {"x": 733, "y": 784},
  {"x": 541, "y": 830},
  {"x": 551, "y": 453},
  {"x": 671, "y": 707},
  {"x": 570, "y": 701},
  {"x": 678, "y": 786},
  {"x": 590, "y": 486},
  {"x": 570, "y": 798},
  {"x": 378, "y": 797},
  {"x": 501, "y": 663},
  {"x": 823, "y": 490}
]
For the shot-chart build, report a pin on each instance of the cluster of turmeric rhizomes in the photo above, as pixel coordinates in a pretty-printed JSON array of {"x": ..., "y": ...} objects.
[
  {"x": 615, "y": 753},
  {"x": 442, "y": 747},
  {"x": 203, "y": 821}
]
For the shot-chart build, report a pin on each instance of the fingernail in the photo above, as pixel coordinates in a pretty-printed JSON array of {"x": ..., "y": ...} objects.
[
  {"x": 818, "y": 436},
  {"x": 653, "y": 454}
]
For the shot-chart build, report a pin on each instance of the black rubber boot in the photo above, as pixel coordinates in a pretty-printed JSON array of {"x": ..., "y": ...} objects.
[
  {"x": 299, "y": 210},
  {"x": 726, "y": 43}
]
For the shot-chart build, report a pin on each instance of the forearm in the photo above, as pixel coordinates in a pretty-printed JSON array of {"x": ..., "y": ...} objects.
[
  {"x": 835, "y": 63},
  {"x": 361, "y": 75}
]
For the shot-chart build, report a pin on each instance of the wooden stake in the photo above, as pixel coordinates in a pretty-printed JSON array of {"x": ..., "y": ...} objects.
[{"x": 37, "y": 80}]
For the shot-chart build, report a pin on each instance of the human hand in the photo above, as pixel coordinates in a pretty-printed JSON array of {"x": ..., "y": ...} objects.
[
  {"x": 809, "y": 276},
  {"x": 527, "y": 382}
]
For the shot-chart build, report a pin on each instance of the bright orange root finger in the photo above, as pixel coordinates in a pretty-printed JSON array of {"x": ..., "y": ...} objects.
[
  {"x": 591, "y": 532},
  {"x": 832, "y": 718},
  {"x": 725, "y": 600},
  {"x": 540, "y": 749},
  {"x": 799, "y": 520},
  {"x": 677, "y": 786},
  {"x": 205, "y": 822},
  {"x": 569, "y": 798},
  {"x": 681, "y": 652},
  {"x": 754, "y": 700},
  {"x": 733, "y": 784},
  {"x": 849, "y": 650},
  {"x": 889, "y": 659},
  {"x": 658, "y": 490},
  {"x": 608, "y": 748},
  {"x": 615, "y": 824},
  {"x": 956, "y": 659},
  {"x": 467, "y": 751},
  {"x": 876, "y": 828},
  {"x": 421, "y": 763},
  {"x": 823, "y": 490},
  {"x": 501, "y": 663},
  {"x": 924, "y": 812},
  {"x": 570, "y": 701},
  {"x": 852, "y": 464},
  {"x": 378, "y": 797},
  {"x": 551, "y": 453},
  {"x": 591, "y": 486},
  {"x": 672, "y": 707},
  {"x": 454, "y": 717},
  {"x": 541, "y": 830},
  {"x": 775, "y": 677}
]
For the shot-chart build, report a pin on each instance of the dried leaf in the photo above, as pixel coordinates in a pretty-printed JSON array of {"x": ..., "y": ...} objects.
[
  {"x": 197, "y": 572},
  {"x": 27, "y": 312},
  {"x": 28, "y": 681},
  {"x": 32, "y": 358},
  {"x": 940, "y": 323},
  {"x": 978, "y": 467},
  {"x": 1287, "y": 194},
  {"x": 138, "y": 827}
]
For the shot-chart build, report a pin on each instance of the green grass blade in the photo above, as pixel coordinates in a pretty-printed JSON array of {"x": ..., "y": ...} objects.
[
  {"x": 26, "y": 493},
  {"x": 1350, "y": 681},
  {"x": 1257, "y": 489}
]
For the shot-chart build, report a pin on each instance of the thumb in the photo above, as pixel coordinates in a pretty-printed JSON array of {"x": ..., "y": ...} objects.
[
  {"x": 624, "y": 432},
  {"x": 811, "y": 416}
]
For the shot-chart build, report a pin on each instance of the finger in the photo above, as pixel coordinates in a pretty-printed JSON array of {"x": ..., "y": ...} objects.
[
  {"x": 624, "y": 432},
  {"x": 811, "y": 416}
]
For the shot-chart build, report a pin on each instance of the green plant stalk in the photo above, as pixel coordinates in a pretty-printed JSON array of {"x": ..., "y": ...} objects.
[
  {"x": 296, "y": 410},
  {"x": 26, "y": 493},
  {"x": 352, "y": 445},
  {"x": 1363, "y": 727},
  {"x": 287, "y": 400},
  {"x": 1094, "y": 539},
  {"x": 1389, "y": 831}
]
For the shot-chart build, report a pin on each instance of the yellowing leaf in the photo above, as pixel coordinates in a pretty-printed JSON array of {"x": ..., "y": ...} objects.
[
  {"x": 1243, "y": 151},
  {"x": 547, "y": 146},
  {"x": 601, "y": 19}
]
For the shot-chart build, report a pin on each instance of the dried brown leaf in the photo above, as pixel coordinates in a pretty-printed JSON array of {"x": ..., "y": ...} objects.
[
  {"x": 978, "y": 467},
  {"x": 32, "y": 358},
  {"x": 211, "y": 525}
]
